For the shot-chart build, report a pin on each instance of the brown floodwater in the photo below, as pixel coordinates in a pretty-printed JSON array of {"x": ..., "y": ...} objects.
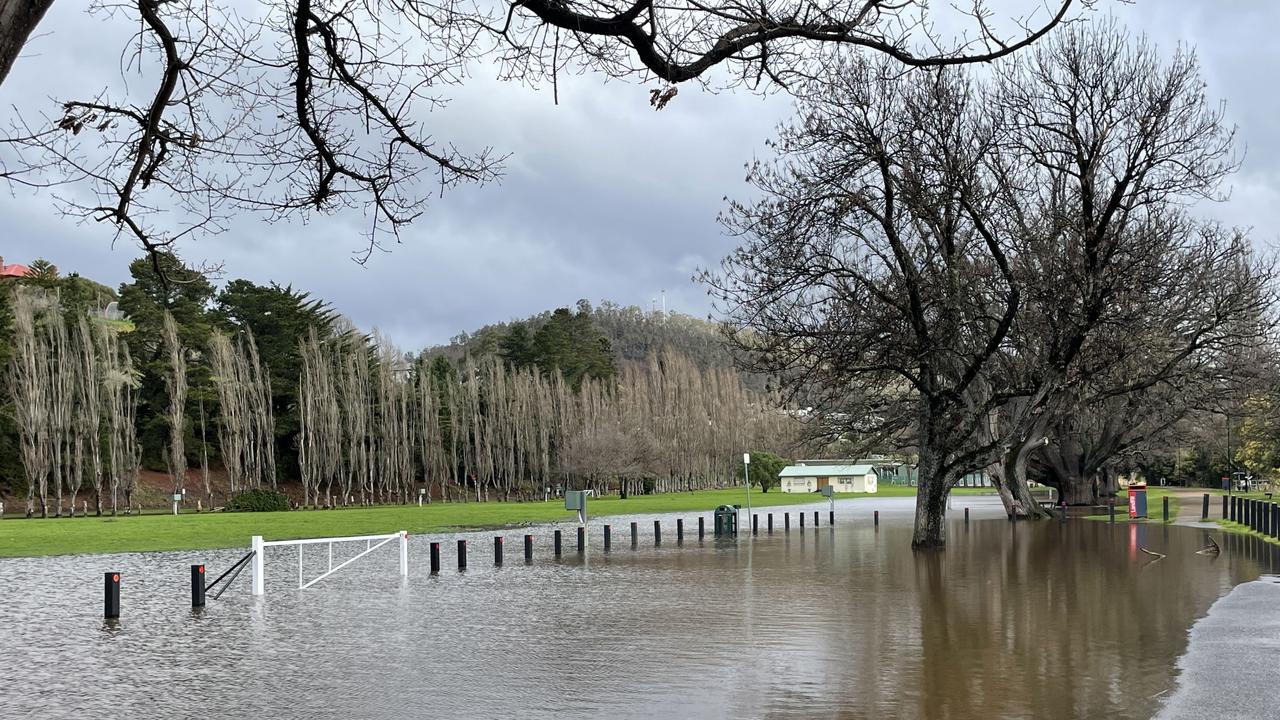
[{"x": 1033, "y": 620}]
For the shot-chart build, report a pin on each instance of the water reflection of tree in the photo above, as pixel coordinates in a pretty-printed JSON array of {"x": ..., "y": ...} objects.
[{"x": 1046, "y": 620}]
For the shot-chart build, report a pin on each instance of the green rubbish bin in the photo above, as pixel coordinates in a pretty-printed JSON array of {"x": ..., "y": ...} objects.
[{"x": 726, "y": 520}]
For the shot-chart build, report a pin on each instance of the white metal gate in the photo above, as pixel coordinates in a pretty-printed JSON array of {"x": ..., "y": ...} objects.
[{"x": 259, "y": 546}]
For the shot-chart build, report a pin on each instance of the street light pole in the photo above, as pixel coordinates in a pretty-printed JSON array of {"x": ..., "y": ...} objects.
[{"x": 746, "y": 481}]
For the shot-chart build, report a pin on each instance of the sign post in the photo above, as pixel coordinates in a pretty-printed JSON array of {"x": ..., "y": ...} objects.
[{"x": 746, "y": 479}]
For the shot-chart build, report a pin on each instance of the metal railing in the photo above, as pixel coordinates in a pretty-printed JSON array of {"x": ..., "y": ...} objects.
[{"x": 259, "y": 546}]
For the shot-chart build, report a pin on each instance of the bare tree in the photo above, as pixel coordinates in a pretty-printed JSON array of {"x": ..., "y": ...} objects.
[
  {"x": 313, "y": 106},
  {"x": 937, "y": 262}
]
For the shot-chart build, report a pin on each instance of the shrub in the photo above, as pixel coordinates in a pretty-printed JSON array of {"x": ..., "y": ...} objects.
[{"x": 259, "y": 500}]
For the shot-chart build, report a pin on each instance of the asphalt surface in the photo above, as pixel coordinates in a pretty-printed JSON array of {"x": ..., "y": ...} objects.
[{"x": 1232, "y": 665}]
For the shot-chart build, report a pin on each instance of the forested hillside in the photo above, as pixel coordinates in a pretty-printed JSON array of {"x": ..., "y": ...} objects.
[{"x": 633, "y": 334}]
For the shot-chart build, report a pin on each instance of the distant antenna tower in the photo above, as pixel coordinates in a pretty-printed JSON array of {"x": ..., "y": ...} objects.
[{"x": 664, "y": 303}]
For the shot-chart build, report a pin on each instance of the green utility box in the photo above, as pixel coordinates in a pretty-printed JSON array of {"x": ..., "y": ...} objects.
[{"x": 726, "y": 520}]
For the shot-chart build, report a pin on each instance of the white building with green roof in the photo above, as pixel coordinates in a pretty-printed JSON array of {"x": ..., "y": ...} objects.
[{"x": 842, "y": 477}]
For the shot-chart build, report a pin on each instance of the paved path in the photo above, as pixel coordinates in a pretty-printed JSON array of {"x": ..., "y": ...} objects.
[
  {"x": 1229, "y": 669},
  {"x": 1190, "y": 505}
]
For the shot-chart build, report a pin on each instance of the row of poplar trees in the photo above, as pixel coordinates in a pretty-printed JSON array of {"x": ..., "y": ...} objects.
[
  {"x": 74, "y": 387},
  {"x": 377, "y": 426}
]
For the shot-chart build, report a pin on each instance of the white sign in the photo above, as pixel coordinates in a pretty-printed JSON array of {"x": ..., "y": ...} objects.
[{"x": 746, "y": 458}]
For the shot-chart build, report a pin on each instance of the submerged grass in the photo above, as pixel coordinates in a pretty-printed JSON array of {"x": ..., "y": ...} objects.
[{"x": 190, "y": 531}]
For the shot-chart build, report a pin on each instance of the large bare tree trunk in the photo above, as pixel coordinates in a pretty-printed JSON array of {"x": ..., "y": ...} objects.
[
  {"x": 932, "y": 490},
  {"x": 18, "y": 18}
]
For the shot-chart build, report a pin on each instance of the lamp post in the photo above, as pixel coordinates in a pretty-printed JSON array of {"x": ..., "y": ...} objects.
[{"x": 746, "y": 481}]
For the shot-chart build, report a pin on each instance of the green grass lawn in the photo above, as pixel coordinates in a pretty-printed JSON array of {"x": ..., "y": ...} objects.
[{"x": 188, "y": 531}]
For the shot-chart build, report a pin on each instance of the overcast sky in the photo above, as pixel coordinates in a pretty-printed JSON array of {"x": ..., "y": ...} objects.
[{"x": 603, "y": 198}]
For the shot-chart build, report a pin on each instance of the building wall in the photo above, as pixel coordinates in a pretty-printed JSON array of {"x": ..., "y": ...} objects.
[{"x": 841, "y": 484}]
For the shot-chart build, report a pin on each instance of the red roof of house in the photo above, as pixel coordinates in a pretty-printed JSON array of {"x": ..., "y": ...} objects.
[{"x": 14, "y": 270}]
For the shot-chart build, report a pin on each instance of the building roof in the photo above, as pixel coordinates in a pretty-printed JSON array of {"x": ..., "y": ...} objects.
[{"x": 825, "y": 470}]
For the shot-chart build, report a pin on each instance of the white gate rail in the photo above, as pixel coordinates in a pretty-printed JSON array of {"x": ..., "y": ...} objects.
[{"x": 259, "y": 565}]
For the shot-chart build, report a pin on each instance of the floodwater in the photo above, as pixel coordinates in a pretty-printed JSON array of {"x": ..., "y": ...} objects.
[{"x": 1033, "y": 620}]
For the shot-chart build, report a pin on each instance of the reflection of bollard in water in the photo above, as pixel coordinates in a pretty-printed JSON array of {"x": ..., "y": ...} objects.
[
  {"x": 111, "y": 596},
  {"x": 435, "y": 558},
  {"x": 635, "y": 535},
  {"x": 528, "y": 548},
  {"x": 497, "y": 550},
  {"x": 557, "y": 543},
  {"x": 197, "y": 586},
  {"x": 462, "y": 554}
]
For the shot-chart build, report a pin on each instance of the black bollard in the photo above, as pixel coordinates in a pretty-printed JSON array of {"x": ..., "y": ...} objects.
[
  {"x": 1204, "y": 508},
  {"x": 966, "y": 516},
  {"x": 435, "y": 558},
  {"x": 582, "y": 539},
  {"x": 1275, "y": 520},
  {"x": 831, "y": 517},
  {"x": 1166, "y": 507},
  {"x": 875, "y": 517},
  {"x": 801, "y": 515},
  {"x": 497, "y": 550},
  {"x": 786, "y": 522},
  {"x": 635, "y": 535},
  {"x": 679, "y": 531},
  {"x": 702, "y": 527},
  {"x": 197, "y": 586},
  {"x": 557, "y": 543},
  {"x": 462, "y": 555},
  {"x": 815, "y": 518},
  {"x": 755, "y": 524},
  {"x": 1231, "y": 507},
  {"x": 769, "y": 517},
  {"x": 111, "y": 596},
  {"x": 608, "y": 536},
  {"x": 1225, "y": 501},
  {"x": 528, "y": 548},
  {"x": 657, "y": 532}
]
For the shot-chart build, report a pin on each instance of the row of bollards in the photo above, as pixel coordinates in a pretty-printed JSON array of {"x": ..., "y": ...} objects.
[
  {"x": 1261, "y": 516},
  {"x": 111, "y": 580}
]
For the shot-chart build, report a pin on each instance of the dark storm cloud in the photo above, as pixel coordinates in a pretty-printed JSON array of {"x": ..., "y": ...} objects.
[{"x": 603, "y": 197}]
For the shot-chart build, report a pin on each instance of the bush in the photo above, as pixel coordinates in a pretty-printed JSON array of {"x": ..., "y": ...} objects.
[{"x": 259, "y": 500}]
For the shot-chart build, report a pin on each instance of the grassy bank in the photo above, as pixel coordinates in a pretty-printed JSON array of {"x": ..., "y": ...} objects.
[{"x": 189, "y": 531}]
